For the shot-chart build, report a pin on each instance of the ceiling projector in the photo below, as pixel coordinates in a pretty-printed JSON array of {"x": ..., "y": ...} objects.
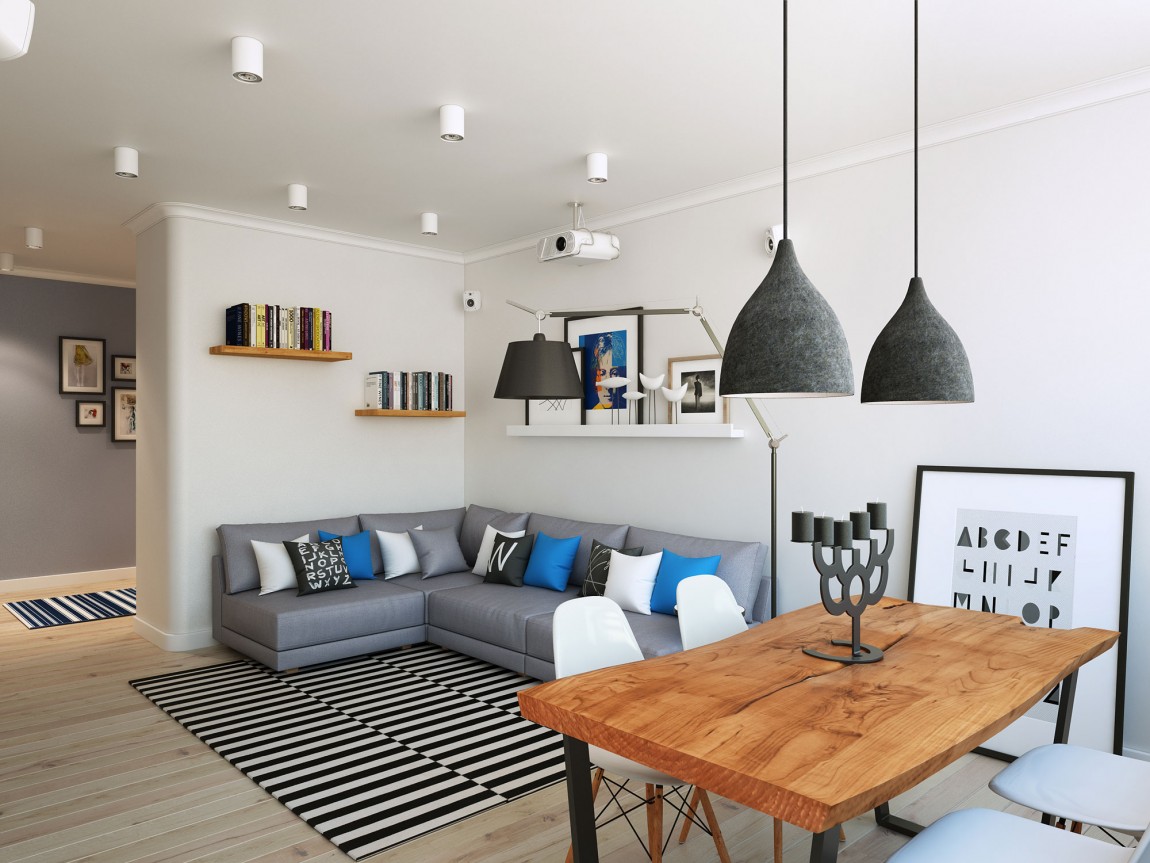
[
  {"x": 579, "y": 246},
  {"x": 16, "y": 18}
]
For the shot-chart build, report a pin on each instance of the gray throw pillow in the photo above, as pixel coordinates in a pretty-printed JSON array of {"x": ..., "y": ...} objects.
[{"x": 438, "y": 552}]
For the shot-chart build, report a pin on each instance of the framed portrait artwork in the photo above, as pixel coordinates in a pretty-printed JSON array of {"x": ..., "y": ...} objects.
[
  {"x": 1050, "y": 547},
  {"x": 559, "y": 412},
  {"x": 124, "y": 416},
  {"x": 123, "y": 368},
  {"x": 701, "y": 403},
  {"x": 81, "y": 365},
  {"x": 612, "y": 349},
  {"x": 90, "y": 414}
]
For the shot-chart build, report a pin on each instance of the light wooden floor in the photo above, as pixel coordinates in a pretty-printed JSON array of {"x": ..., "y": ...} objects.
[{"x": 89, "y": 770}]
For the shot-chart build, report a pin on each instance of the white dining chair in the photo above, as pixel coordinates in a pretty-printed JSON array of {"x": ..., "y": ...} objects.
[
  {"x": 592, "y": 632},
  {"x": 990, "y": 836},
  {"x": 1079, "y": 785}
]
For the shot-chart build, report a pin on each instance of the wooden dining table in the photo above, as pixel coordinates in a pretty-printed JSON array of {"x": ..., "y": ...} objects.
[{"x": 811, "y": 741}]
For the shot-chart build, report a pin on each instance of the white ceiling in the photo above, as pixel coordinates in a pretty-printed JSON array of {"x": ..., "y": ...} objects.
[{"x": 681, "y": 95}]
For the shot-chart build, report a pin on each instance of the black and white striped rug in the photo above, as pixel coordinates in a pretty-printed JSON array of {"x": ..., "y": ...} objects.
[
  {"x": 74, "y": 608},
  {"x": 374, "y": 751}
]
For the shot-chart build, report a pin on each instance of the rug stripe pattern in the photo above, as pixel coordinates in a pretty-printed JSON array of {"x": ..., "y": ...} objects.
[
  {"x": 74, "y": 608},
  {"x": 375, "y": 751}
]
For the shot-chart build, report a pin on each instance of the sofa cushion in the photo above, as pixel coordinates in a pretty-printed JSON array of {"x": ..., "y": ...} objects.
[
  {"x": 741, "y": 565},
  {"x": 599, "y": 565},
  {"x": 475, "y": 523},
  {"x": 587, "y": 531},
  {"x": 630, "y": 580},
  {"x": 356, "y": 552},
  {"x": 494, "y": 613},
  {"x": 399, "y": 557},
  {"x": 484, "y": 557},
  {"x": 509, "y": 559},
  {"x": 673, "y": 568},
  {"x": 398, "y": 522},
  {"x": 240, "y": 569},
  {"x": 319, "y": 566},
  {"x": 277, "y": 572},
  {"x": 285, "y": 621},
  {"x": 438, "y": 551},
  {"x": 551, "y": 561},
  {"x": 657, "y": 635}
]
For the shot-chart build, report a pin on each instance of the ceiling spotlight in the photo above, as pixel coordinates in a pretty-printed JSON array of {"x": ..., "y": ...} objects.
[
  {"x": 451, "y": 123},
  {"x": 596, "y": 167},
  {"x": 7, "y": 262},
  {"x": 127, "y": 162},
  {"x": 16, "y": 20},
  {"x": 429, "y": 224},
  {"x": 247, "y": 59},
  {"x": 34, "y": 238},
  {"x": 297, "y": 196}
]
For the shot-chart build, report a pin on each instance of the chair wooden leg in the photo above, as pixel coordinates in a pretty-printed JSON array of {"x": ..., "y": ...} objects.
[
  {"x": 692, "y": 805},
  {"x": 713, "y": 823},
  {"x": 596, "y": 778},
  {"x": 778, "y": 831},
  {"x": 842, "y": 834},
  {"x": 655, "y": 822}
]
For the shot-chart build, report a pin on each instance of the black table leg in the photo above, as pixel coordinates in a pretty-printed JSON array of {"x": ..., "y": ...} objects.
[
  {"x": 894, "y": 822},
  {"x": 580, "y": 806},
  {"x": 825, "y": 846}
]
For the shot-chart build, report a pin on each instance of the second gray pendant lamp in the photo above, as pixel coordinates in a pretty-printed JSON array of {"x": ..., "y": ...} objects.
[
  {"x": 917, "y": 358},
  {"x": 786, "y": 341}
]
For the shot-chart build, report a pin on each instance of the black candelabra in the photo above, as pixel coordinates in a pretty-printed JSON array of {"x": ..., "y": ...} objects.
[{"x": 858, "y": 586}]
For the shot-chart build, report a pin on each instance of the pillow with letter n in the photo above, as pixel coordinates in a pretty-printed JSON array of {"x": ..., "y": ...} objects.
[
  {"x": 319, "y": 566},
  {"x": 509, "y": 557},
  {"x": 598, "y": 565}
]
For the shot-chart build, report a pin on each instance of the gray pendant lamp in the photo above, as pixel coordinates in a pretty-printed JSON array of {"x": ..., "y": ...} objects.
[
  {"x": 538, "y": 369},
  {"x": 917, "y": 358},
  {"x": 787, "y": 341}
]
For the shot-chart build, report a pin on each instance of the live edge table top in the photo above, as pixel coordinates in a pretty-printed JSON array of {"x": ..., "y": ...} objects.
[{"x": 811, "y": 741}]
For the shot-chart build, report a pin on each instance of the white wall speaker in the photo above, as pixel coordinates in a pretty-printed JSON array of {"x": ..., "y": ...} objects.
[{"x": 472, "y": 301}]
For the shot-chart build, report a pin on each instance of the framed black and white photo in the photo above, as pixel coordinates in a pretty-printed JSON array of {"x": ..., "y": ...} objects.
[
  {"x": 559, "y": 412},
  {"x": 701, "y": 404},
  {"x": 123, "y": 368},
  {"x": 612, "y": 350},
  {"x": 1050, "y": 547},
  {"x": 123, "y": 414},
  {"x": 90, "y": 414},
  {"x": 82, "y": 365}
]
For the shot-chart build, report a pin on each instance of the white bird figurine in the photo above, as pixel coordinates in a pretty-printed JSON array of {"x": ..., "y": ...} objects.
[{"x": 674, "y": 397}]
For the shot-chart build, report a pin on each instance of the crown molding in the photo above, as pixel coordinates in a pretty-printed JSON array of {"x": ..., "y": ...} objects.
[
  {"x": 63, "y": 276},
  {"x": 1098, "y": 92},
  {"x": 156, "y": 213}
]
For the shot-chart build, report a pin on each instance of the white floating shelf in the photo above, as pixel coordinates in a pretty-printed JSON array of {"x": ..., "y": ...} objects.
[{"x": 725, "y": 430}]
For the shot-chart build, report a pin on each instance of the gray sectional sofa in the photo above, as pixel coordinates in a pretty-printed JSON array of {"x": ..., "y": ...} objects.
[{"x": 505, "y": 625}]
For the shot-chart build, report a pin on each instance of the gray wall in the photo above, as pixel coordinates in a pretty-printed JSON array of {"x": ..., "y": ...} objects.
[{"x": 68, "y": 494}]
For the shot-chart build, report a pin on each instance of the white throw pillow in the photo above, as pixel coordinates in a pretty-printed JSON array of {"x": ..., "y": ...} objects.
[
  {"x": 399, "y": 557},
  {"x": 484, "y": 557},
  {"x": 630, "y": 580},
  {"x": 275, "y": 566}
]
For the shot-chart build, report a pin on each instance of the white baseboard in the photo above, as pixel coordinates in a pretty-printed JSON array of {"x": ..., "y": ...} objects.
[
  {"x": 68, "y": 581},
  {"x": 170, "y": 641},
  {"x": 1129, "y": 752}
]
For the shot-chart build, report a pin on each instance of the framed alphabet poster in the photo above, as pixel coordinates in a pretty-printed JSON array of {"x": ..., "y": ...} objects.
[{"x": 1049, "y": 547}]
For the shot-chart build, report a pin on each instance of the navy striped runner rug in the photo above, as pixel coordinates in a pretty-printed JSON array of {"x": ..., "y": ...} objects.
[
  {"x": 375, "y": 751},
  {"x": 75, "y": 608}
]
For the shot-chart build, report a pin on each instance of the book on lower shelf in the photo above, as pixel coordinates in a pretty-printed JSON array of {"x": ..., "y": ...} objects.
[
  {"x": 265, "y": 325},
  {"x": 408, "y": 391}
]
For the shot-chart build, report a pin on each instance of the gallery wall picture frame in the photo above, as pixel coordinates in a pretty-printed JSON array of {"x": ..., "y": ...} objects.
[
  {"x": 559, "y": 412},
  {"x": 612, "y": 346},
  {"x": 123, "y": 368},
  {"x": 91, "y": 414},
  {"x": 1049, "y": 546},
  {"x": 82, "y": 365},
  {"x": 124, "y": 415},
  {"x": 702, "y": 404}
]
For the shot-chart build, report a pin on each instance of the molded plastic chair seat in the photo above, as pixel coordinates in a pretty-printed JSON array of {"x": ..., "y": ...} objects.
[
  {"x": 988, "y": 836},
  {"x": 707, "y": 611},
  {"x": 1082, "y": 785}
]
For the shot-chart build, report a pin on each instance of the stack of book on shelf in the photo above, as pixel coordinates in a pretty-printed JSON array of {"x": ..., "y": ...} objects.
[
  {"x": 262, "y": 325},
  {"x": 408, "y": 391}
]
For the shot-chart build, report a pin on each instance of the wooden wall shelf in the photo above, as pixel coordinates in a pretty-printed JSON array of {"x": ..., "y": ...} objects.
[
  {"x": 669, "y": 430},
  {"x": 375, "y": 412},
  {"x": 279, "y": 353}
]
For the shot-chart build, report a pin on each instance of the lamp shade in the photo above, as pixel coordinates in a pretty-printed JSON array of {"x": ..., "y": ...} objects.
[
  {"x": 539, "y": 369},
  {"x": 917, "y": 358},
  {"x": 787, "y": 341}
]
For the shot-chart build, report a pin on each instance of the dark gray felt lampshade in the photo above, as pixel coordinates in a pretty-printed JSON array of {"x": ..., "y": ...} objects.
[
  {"x": 538, "y": 369},
  {"x": 917, "y": 358},
  {"x": 787, "y": 340}
]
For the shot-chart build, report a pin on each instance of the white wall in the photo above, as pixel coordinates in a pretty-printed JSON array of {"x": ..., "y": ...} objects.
[
  {"x": 1033, "y": 246},
  {"x": 234, "y": 439}
]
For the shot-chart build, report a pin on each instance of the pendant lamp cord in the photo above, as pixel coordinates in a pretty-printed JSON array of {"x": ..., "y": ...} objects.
[
  {"x": 785, "y": 235},
  {"x": 916, "y": 139}
]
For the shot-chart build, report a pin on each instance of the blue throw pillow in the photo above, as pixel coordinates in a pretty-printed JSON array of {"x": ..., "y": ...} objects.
[
  {"x": 356, "y": 552},
  {"x": 551, "y": 562},
  {"x": 674, "y": 569}
]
